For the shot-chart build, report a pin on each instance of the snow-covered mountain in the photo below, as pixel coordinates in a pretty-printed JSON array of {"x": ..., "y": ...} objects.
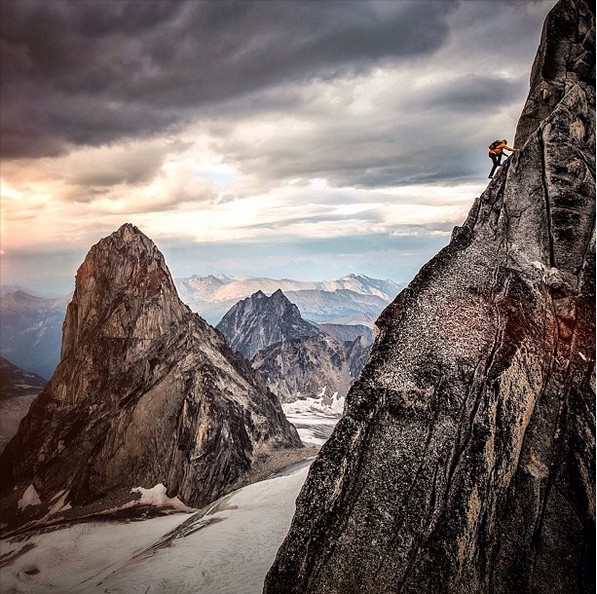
[
  {"x": 352, "y": 299},
  {"x": 227, "y": 547}
]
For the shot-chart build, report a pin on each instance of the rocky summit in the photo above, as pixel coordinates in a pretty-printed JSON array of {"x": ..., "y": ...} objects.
[
  {"x": 146, "y": 392},
  {"x": 465, "y": 461},
  {"x": 259, "y": 321},
  {"x": 295, "y": 357}
]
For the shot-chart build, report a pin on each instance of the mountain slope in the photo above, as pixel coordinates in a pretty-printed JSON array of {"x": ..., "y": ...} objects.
[
  {"x": 307, "y": 365},
  {"x": 145, "y": 393},
  {"x": 18, "y": 389},
  {"x": 465, "y": 461},
  {"x": 294, "y": 357}
]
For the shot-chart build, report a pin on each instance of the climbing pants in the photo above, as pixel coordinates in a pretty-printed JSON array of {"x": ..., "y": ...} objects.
[{"x": 497, "y": 161}]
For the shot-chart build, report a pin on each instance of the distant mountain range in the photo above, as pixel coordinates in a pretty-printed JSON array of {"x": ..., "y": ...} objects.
[
  {"x": 31, "y": 330},
  {"x": 352, "y": 299}
]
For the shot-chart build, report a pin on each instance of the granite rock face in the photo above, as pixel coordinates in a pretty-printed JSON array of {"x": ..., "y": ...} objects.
[
  {"x": 465, "y": 460},
  {"x": 566, "y": 56},
  {"x": 146, "y": 392}
]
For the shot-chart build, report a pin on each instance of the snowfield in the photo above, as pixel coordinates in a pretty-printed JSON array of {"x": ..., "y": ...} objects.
[
  {"x": 315, "y": 418},
  {"x": 227, "y": 547}
]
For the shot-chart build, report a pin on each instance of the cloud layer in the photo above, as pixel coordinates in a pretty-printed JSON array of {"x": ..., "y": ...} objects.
[
  {"x": 258, "y": 121},
  {"x": 88, "y": 73}
]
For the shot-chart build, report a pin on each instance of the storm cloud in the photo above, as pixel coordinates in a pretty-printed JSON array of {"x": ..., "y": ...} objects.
[
  {"x": 89, "y": 73},
  {"x": 307, "y": 124}
]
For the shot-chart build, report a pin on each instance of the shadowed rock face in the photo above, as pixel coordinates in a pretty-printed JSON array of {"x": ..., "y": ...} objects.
[
  {"x": 565, "y": 57},
  {"x": 465, "y": 461},
  {"x": 303, "y": 366},
  {"x": 145, "y": 393},
  {"x": 259, "y": 321}
]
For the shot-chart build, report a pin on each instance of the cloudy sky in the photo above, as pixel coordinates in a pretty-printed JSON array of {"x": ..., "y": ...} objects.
[{"x": 265, "y": 138}]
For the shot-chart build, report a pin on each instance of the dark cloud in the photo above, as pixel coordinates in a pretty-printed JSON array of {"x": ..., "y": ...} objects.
[
  {"x": 466, "y": 94},
  {"x": 89, "y": 73},
  {"x": 127, "y": 165}
]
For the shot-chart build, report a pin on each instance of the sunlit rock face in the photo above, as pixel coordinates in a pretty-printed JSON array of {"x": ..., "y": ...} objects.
[
  {"x": 465, "y": 461},
  {"x": 146, "y": 392}
]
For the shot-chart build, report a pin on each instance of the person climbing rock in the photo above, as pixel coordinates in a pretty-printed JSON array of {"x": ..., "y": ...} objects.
[{"x": 496, "y": 151}]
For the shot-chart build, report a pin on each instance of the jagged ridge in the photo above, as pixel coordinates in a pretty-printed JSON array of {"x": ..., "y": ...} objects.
[{"x": 259, "y": 321}]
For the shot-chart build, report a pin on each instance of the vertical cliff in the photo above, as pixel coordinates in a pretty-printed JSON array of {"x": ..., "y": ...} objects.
[
  {"x": 465, "y": 461},
  {"x": 146, "y": 392},
  {"x": 566, "y": 56}
]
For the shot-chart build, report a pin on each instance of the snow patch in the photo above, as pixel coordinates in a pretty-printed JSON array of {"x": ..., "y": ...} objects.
[
  {"x": 227, "y": 548},
  {"x": 60, "y": 505},
  {"x": 315, "y": 418},
  {"x": 330, "y": 405},
  {"x": 156, "y": 497},
  {"x": 29, "y": 497}
]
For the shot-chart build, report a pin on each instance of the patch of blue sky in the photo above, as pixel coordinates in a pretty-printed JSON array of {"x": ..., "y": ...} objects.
[{"x": 218, "y": 176}]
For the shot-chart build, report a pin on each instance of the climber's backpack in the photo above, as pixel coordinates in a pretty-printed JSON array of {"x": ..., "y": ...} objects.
[{"x": 494, "y": 144}]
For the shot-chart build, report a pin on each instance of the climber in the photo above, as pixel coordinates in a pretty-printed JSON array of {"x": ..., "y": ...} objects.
[{"x": 496, "y": 151}]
